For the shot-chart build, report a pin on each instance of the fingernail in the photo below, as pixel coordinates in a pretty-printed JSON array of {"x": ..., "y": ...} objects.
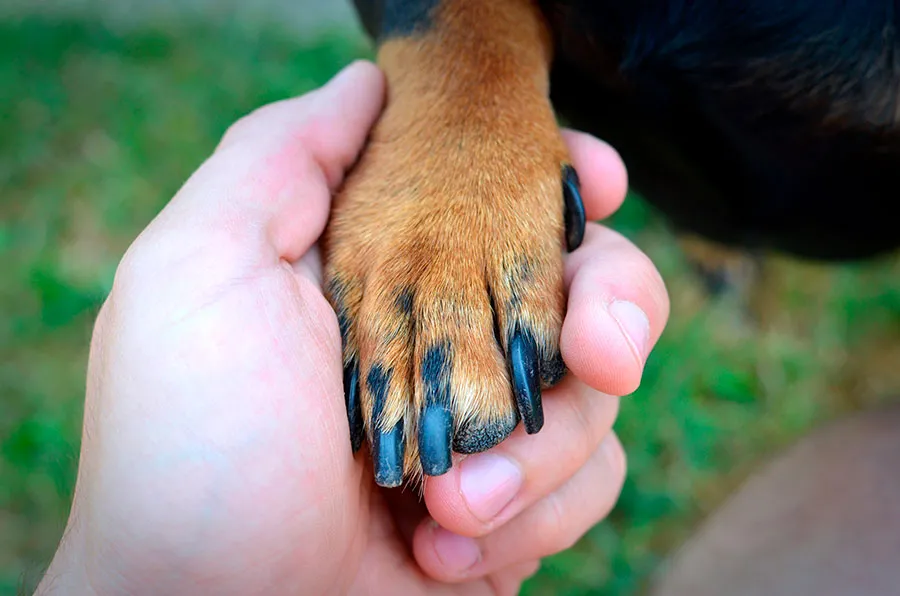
[
  {"x": 634, "y": 324},
  {"x": 456, "y": 553},
  {"x": 488, "y": 483}
]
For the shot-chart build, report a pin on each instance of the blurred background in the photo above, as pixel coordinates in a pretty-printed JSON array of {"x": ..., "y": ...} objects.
[{"x": 106, "y": 106}]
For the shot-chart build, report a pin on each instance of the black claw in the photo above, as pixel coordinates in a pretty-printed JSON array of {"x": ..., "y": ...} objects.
[
  {"x": 436, "y": 422},
  {"x": 476, "y": 437},
  {"x": 523, "y": 364},
  {"x": 574, "y": 212},
  {"x": 354, "y": 409},
  {"x": 435, "y": 436},
  {"x": 387, "y": 445},
  {"x": 388, "y": 449}
]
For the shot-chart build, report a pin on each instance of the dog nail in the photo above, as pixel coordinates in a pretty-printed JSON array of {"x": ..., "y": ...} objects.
[
  {"x": 387, "y": 444},
  {"x": 388, "y": 456},
  {"x": 435, "y": 436},
  {"x": 354, "y": 409},
  {"x": 436, "y": 423},
  {"x": 523, "y": 363},
  {"x": 574, "y": 212}
]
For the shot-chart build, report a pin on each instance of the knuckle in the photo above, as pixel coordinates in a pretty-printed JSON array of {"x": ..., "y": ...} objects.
[
  {"x": 239, "y": 127},
  {"x": 248, "y": 123},
  {"x": 136, "y": 261}
]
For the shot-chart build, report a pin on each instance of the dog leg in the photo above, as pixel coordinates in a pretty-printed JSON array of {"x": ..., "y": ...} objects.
[{"x": 444, "y": 253}]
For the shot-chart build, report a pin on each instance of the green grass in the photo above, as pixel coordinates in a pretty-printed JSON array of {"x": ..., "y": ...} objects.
[{"x": 97, "y": 131}]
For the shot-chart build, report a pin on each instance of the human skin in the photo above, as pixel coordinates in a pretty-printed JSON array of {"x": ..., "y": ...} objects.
[{"x": 215, "y": 454}]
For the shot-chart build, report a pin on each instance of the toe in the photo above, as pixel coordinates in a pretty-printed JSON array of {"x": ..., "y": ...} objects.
[{"x": 479, "y": 435}]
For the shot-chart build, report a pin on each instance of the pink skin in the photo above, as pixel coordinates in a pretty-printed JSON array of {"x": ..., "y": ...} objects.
[{"x": 216, "y": 456}]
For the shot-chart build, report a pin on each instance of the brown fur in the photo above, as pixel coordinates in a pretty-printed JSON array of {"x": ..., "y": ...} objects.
[{"x": 456, "y": 200}]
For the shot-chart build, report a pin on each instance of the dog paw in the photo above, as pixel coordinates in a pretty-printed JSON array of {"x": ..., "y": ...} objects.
[{"x": 444, "y": 267}]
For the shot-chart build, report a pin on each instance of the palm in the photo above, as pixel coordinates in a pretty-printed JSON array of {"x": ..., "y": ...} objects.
[{"x": 370, "y": 529}]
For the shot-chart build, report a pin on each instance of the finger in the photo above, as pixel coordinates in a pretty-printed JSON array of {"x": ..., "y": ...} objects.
[
  {"x": 486, "y": 490},
  {"x": 604, "y": 180},
  {"x": 332, "y": 121},
  {"x": 269, "y": 182},
  {"x": 617, "y": 309},
  {"x": 551, "y": 525}
]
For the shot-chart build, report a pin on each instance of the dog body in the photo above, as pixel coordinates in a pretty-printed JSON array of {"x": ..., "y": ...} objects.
[{"x": 757, "y": 124}]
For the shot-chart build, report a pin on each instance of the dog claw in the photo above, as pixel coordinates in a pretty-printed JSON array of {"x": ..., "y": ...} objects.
[
  {"x": 388, "y": 456},
  {"x": 435, "y": 437},
  {"x": 524, "y": 370},
  {"x": 574, "y": 212},
  {"x": 354, "y": 409},
  {"x": 387, "y": 445}
]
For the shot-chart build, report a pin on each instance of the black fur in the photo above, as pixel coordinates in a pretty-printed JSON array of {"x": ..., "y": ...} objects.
[
  {"x": 389, "y": 18},
  {"x": 757, "y": 123}
]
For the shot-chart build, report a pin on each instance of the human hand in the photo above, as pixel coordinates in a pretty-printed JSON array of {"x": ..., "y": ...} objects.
[{"x": 216, "y": 456}]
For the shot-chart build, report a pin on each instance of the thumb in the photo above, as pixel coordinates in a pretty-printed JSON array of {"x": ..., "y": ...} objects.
[{"x": 268, "y": 184}]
